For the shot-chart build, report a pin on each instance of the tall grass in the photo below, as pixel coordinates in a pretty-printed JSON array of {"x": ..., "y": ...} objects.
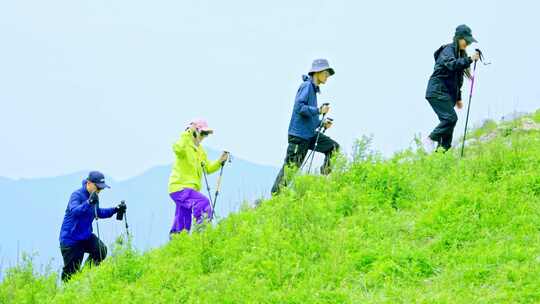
[{"x": 415, "y": 228}]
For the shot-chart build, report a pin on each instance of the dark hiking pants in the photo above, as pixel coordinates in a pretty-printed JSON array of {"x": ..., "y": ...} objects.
[
  {"x": 443, "y": 133},
  {"x": 73, "y": 255},
  {"x": 297, "y": 151}
]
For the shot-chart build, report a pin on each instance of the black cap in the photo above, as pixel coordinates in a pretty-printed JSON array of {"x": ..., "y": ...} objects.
[
  {"x": 97, "y": 178},
  {"x": 465, "y": 32}
]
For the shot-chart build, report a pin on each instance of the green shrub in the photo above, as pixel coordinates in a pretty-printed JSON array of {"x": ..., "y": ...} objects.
[
  {"x": 536, "y": 116},
  {"x": 23, "y": 285}
]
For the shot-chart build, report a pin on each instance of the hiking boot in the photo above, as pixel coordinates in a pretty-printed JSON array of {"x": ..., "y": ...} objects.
[{"x": 326, "y": 170}]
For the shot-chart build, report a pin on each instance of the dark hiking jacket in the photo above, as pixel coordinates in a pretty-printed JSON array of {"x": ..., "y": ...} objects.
[{"x": 447, "y": 77}]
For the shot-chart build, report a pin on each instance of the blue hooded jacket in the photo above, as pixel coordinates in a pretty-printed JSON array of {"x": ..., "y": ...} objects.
[
  {"x": 447, "y": 77},
  {"x": 77, "y": 224},
  {"x": 305, "y": 116}
]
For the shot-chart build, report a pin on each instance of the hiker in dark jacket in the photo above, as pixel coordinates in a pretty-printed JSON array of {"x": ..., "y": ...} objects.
[
  {"x": 305, "y": 122},
  {"x": 76, "y": 237},
  {"x": 444, "y": 86}
]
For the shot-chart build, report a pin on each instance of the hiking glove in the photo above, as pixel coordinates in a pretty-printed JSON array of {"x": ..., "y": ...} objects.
[
  {"x": 121, "y": 208},
  {"x": 93, "y": 199}
]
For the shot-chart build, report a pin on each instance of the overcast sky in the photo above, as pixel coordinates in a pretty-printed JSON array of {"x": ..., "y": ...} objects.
[{"x": 111, "y": 84}]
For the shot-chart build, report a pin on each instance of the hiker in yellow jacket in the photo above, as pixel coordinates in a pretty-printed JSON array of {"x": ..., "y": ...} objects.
[{"x": 185, "y": 178}]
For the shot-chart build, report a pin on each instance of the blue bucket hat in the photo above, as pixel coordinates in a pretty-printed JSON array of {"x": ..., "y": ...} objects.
[
  {"x": 320, "y": 65},
  {"x": 97, "y": 178},
  {"x": 465, "y": 32}
]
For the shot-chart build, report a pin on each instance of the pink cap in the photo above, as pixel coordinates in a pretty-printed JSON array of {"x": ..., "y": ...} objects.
[{"x": 201, "y": 125}]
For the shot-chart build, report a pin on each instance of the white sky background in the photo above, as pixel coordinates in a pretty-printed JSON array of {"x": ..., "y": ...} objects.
[{"x": 110, "y": 84}]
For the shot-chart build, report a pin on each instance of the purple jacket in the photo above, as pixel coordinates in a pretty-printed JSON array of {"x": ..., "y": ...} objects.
[{"x": 77, "y": 224}]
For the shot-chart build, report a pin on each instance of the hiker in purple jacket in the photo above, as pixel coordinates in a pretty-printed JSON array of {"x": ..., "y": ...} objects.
[{"x": 76, "y": 237}]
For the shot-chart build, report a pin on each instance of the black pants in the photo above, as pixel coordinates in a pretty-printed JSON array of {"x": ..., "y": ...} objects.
[
  {"x": 297, "y": 151},
  {"x": 73, "y": 255},
  {"x": 444, "y": 132}
]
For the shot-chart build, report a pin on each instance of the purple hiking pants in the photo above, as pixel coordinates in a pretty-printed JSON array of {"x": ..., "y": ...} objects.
[{"x": 189, "y": 201}]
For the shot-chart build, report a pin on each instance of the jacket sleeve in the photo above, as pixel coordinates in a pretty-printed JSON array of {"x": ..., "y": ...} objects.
[
  {"x": 106, "y": 212},
  {"x": 301, "y": 102},
  {"x": 77, "y": 206},
  {"x": 182, "y": 144},
  {"x": 449, "y": 60},
  {"x": 211, "y": 166}
]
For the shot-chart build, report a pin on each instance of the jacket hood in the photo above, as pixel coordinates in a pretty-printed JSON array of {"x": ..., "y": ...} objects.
[
  {"x": 83, "y": 188},
  {"x": 310, "y": 79},
  {"x": 439, "y": 50}
]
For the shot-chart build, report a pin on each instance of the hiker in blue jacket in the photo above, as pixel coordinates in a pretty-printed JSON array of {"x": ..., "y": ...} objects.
[
  {"x": 305, "y": 122},
  {"x": 444, "y": 87},
  {"x": 76, "y": 237}
]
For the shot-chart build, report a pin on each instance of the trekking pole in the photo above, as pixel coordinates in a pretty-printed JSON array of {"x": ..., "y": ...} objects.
[
  {"x": 218, "y": 187},
  {"x": 470, "y": 98},
  {"x": 127, "y": 226},
  {"x": 316, "y": 144},
  {"x": 97, "y": 228},
  {"x": 123, "y": 215},
  {"x": 207, "y": 185},
  {"x": 317, "y": 140},
  {"x": 468, "y": 111},
  {"x": 312, "y": 153},
  {"x": 97, "y": 219}
]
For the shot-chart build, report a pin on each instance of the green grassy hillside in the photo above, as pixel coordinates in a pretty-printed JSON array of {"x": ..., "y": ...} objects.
[{"x": 413, "y": 229}]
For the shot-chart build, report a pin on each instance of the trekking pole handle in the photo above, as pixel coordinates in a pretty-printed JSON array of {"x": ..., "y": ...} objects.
[
  {"x": 322, "y": 121},
  {"x": 229, "y": 158},
  {"x": 218, "y": 187},
  {"x": 482, "y": 57},
  {"x": 326, "y": 104}
]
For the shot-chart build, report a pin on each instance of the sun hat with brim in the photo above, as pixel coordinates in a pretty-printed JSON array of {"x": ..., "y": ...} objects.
[
  {"x": 97, "y": 178},
  {"x": 320, "y": 65},
  {"x": 465, "y": 32}
]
